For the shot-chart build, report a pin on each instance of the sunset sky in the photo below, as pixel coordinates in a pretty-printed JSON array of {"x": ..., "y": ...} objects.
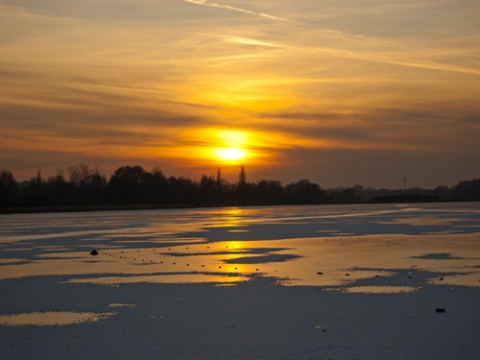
[{"x": 341, "y": 92}]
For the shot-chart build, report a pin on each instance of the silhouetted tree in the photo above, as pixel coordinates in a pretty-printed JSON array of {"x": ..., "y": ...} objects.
[
  {"x": 125, "y": 185},
  {"x": 219, "y": 179},
  {"x": 89, "y": 184},
  {"x": 242, "y": 177},
  {"x": 95, "y": 190},
  {"x": 208, "y": 190},
  {"x": 155, "y": 186},
  {"x": 8, "y": 188},
  {"x": 244, "y": 193},
  {"x": 304, "y": 192},
  {"x": 467, "y": 190},
  {"x": 78, "y": 175},
  {"x": 442, "y": 192},
  {"x": 134, "y": 185},
  {"x": 34, "y": 192},
  {"x": 60, "y": 191},
  {"x": 269, "y": 192},
  {"x": 343, "y": 194},
  {"x": 182, "y": 191}
]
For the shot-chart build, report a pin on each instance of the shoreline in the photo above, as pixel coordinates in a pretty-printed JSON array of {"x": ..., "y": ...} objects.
[{"x": 91, "y": 208}]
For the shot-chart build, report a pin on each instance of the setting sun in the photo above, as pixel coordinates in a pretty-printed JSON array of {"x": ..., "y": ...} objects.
[
  {"x": 230, "y": 154},
  {"x": 232, "y": 145}
]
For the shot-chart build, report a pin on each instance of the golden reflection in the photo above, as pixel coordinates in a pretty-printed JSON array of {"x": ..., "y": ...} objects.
[
  {"x": 234, "y": 246},
  {"x": 53, "y": 318},
  {"x": 231, "y": 217},
  {"x": 173, "y": 278},
  {"x": 380, "y": 289},
  {"x": 383, "y": 260},
  {"x": 229, "y": 249}
]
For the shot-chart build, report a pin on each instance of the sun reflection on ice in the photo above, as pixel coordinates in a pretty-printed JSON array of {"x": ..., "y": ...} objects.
[
  {"x": 53, "y": 318},
  {"x": 232, "y": 245}
]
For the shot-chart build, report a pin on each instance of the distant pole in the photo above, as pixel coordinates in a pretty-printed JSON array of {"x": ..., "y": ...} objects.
[{"x": 404, "y": 183}]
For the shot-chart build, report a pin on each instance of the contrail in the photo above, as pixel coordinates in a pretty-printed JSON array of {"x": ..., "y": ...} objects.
[
  {"x": 250, "y": 41},
  {"x": 233, "y": 8}
]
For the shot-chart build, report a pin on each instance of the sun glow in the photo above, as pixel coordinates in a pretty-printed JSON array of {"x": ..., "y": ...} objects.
[
  {"x": 228, "y": 149},
  {"x": 230, "y": 154},
  {"x": 233, "y": 145}
]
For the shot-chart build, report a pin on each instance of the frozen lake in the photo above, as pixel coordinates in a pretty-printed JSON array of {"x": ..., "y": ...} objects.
[
  {"x": 297, "y": 282},
  {"x": 337, "y": 246}
]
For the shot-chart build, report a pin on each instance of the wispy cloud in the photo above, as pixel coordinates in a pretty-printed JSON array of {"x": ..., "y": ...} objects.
[
  {"x": 412, "y": 54},
  {"x": 397, "y": 59},
  {"x": 237, "y": 9},
  {"x": 138, "y": 81},
  {"x": 250, "y": 41}
]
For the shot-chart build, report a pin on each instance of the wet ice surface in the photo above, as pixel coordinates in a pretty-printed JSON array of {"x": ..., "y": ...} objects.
[
  {"x": 297, "y": 245},
  {"x": 300, "y": 282},
  {"x": 52, "y": 318}
]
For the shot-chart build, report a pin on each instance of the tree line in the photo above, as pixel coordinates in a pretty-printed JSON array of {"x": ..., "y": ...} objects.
[{"x": 81, "y": 185}]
